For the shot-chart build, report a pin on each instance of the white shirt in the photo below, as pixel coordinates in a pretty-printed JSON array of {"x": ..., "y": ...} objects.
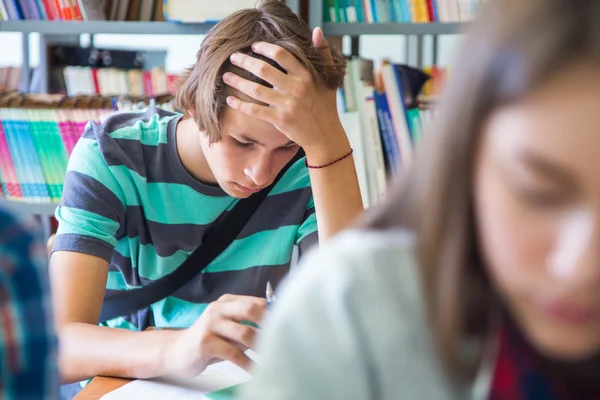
[{"x": 349, "y": 324}]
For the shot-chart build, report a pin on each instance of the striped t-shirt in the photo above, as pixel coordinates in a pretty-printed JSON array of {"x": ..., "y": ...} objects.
[{"x": 128, "y": 199}]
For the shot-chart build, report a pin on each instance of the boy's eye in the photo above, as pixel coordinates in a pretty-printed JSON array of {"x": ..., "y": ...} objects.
[
  {"x": 241, "y": 144},
  {"x": 289, "y": 148}
]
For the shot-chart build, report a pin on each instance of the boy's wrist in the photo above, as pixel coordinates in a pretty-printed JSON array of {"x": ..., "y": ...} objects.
[
  {"x": 167, "y": 358},
  {"x": 328, "y": 150}
]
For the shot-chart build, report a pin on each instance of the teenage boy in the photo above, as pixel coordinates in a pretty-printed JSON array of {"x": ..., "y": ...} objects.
[{"x": 141, "y": 189}]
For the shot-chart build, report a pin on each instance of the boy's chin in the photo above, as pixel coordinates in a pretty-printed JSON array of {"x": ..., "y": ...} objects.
[{"x": 232, "y": 190}]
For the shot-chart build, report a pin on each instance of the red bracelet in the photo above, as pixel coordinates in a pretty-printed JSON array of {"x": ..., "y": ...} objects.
[{"x": 331, "y": 163}]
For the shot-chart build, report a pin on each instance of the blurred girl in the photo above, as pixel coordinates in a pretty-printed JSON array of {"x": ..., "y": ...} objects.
[{"x": 480, "y": 277}]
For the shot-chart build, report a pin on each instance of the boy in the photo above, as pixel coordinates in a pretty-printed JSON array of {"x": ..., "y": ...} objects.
[{"x": 142, "y": 188}]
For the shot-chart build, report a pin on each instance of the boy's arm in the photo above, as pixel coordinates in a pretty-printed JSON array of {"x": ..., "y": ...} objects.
[
  {"x": 78, "y": 282},
  {"x": 335, "y": 188}
]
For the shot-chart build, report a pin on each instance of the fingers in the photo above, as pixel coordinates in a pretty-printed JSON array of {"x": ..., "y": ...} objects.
[
  {"x": 252, "y": 109},
  {"x": 253, "y": 89},
  {"x": 281, "y": 56},
  {"x": 319, "y": 43},
  {"x": 259, "y": 68},
  {"x": 223, "y": 350},
  {"x": 238, "y": 308},
  {"x": 238, "y": 334}
]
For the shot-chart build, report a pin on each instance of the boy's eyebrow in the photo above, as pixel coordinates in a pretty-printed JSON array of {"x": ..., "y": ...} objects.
[{"x": 249, "y": 139}]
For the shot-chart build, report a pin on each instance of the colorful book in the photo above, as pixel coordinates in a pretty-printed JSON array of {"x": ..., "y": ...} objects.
[{"x": 13, "y": 8}]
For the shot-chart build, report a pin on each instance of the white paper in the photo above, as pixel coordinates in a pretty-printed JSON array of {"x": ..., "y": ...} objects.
[{"x": 216, "y": 377}]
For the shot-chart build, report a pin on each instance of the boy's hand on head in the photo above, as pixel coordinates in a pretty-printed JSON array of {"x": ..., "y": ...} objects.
[
  {"x": 217, "y": 335},
  {"x": 298, "y": 106}
]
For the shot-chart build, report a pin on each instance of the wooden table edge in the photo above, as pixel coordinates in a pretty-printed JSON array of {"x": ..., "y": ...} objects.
[{"x": 100, "y": 386}]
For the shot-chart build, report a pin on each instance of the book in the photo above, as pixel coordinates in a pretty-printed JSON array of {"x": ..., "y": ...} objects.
[
  {"x": 192, "y": 11},
  {"x": 13, "y": 9},
  {"x": 133, "y": 14},
  {"x": 92, "y": 10},
  {"x": 159, "y": 14},
  {"x": 146, "y": 10}
]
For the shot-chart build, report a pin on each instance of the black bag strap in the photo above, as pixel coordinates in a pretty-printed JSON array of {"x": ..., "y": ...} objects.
[{"x": 218, "y": 237}]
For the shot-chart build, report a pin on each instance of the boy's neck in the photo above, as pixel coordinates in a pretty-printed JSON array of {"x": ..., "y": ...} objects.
[{"x": 190, "y": 152}]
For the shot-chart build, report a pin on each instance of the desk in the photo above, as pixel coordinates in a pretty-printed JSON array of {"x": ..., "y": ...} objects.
[{"x": 100, "y": 386}]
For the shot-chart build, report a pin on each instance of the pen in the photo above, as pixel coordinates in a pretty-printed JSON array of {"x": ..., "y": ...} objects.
[{"x": 270, "y": 295}]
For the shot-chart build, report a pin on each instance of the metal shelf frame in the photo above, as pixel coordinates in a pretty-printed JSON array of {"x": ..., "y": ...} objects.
[
  {"x": 27, "y": 208},
  {"x": 108, "y": 27},
  {"x": 435, "y": 28}
]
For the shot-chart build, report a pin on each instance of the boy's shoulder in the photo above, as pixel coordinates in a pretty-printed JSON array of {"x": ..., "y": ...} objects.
[{"x": 148, "y": 126}]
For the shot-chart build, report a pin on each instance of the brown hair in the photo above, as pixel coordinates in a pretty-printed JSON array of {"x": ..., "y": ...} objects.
[
  {"x": 512, "y": 47},
  {"x": 203, "y": 92}
]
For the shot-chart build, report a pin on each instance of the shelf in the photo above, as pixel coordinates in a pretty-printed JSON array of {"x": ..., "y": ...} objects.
[
  {"x": 95, "y": 27},
  {"x": 340, "y": 29},
  {"x": 22, "y": 207}
]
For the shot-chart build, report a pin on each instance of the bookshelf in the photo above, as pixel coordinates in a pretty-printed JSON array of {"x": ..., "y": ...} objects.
[{"x": 355, "y": 30}]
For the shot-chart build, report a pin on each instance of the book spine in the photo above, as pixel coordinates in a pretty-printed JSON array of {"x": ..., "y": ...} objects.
[
  {"x": 71, "y": 129},
  {"x": 414, "y": 123},
  {"x": 57, "y": 5},
  {"x": 59, "y": 153},
  {"x": 25, "y": 11},
  {"x": 75, "y": 10},
  {"x": 430, "y": 12},
  {"x": 394, "y": 97},
  {"x": 95, "y": 81},
  {"x": 41, "y": 10},
  {"x": 44, "y": 149},
  {"x": 412, "y": 10},
  {"x": 373, "y": 144},
  {"x": 374, "y": 11},
  {"x": 367, "y": 11},
  {"x": 9, "y": 173},
  {"x": 41, "y": 148},
  {"x": 54, "y": 181},
  {"x": 4, "y": 11},
  {"x": 50, "y": 11},
  {"x": 17, "y": 153},
  {"x": 148, "y": 83},
  {"x": 63, "y": 129},
  {"x": 65, "y": 10},
  {"x": 387, "y": 133},
  {"x": 31, "y": 155},
  {"x": 436, "y": 12},
  {"x": 14, "y": 10},
  {"x": 33, "y": 10}
]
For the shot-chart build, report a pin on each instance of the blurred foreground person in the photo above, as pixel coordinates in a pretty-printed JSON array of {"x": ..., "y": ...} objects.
[
  {"x": 480, "y": 277},
  {"x": 27, "y": 340}
]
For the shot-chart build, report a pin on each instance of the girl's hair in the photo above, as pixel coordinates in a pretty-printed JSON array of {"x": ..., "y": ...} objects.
[
  {"x": 203, "y": 93},
  {"x": 511, "y": 48}
]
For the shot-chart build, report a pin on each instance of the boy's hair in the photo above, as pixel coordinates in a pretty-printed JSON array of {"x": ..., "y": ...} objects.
[{"x": 203, "y": 92}]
